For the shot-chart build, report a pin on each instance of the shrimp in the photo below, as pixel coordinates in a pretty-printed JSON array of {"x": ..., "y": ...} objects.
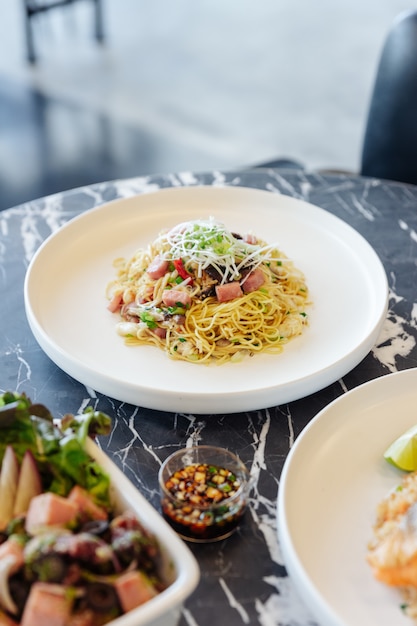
[{"x": 392, "y": 552}]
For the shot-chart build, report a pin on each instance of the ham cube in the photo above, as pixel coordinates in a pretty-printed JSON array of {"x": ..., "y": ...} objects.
[
  {"x": 46, "y": 606},
  {"x": 253, "y": 281},
  {"x": 228, "y": 291},
  {"x": 49, "y": 509},
  {"x": 87, "y": 508},
  {"x": 12, "y": 548},
  {"x": 115, "y": 303},
  {"x": 249, "y": 238},
  {"x": 172, "y": 297},
  {"x": 159, "y": 332},
  {"x": 157, "y": 268},
  {"x": 133, "y": 589}
]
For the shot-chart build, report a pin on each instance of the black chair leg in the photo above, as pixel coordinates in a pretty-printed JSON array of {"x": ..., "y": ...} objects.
[
  {"x": 99, "y": 28},
  {"x": 32, "y": 9},
  {"x": 390, "y": 140},
  {"x": 30, "y": 45}
]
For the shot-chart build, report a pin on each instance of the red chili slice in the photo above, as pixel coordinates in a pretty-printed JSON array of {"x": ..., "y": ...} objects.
[{"x": 179, "y": 266}]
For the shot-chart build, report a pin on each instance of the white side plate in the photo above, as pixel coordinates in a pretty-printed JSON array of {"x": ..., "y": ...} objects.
[{"x": 331, "y": 483}]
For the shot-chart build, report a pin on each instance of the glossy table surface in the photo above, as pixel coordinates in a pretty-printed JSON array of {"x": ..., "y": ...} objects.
[{"x": 243, "y": 578}]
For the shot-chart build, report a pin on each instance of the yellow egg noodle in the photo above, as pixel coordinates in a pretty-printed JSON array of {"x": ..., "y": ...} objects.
[{"x": 203, "y": 293}]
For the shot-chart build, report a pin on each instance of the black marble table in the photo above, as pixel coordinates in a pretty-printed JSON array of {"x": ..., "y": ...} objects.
[{"x": 243, "y": 578}]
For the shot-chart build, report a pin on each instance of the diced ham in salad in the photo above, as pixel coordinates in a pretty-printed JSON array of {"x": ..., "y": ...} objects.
[{"x": 66, "y": 557}]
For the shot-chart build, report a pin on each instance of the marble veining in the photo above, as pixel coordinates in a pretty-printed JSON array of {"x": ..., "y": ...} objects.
[{"x": 243, "y": 579}]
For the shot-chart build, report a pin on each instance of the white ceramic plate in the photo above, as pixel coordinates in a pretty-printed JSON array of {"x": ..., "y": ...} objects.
[
  {"x": 331, "y": 483},
  {"x": 66, "y": 305}
]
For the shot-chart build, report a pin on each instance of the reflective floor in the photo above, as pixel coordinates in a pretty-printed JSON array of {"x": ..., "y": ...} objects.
[
  {"x": 48, "y": 145},
  {"x": 184, "y": 86}
]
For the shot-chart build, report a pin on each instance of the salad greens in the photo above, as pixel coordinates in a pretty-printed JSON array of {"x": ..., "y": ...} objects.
[{"x": 59, "y": 450}]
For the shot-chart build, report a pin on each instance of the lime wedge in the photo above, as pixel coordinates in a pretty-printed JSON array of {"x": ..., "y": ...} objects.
[{"x": 402, "y": 453}]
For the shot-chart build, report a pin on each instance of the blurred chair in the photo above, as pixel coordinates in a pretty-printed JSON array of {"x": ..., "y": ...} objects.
[
  {"x": 34, "y": 7},
  {"x": 389, "y": 148},
  {"x": 282, "y": 163},
  {"x": 390, "y": 139}
]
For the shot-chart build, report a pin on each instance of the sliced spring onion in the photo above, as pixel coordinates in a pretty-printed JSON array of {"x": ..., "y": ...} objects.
[{"x": 208, "y": 242}]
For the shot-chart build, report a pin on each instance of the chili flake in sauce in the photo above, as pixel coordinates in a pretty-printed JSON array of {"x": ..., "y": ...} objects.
[{"x": 204, "y": 505}]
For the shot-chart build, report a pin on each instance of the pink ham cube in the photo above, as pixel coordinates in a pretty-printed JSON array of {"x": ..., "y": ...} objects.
[
  {"x": 46, "y": 607},
  {"x": 49, "y": 509},
  {"x": 133, "y": 590}
]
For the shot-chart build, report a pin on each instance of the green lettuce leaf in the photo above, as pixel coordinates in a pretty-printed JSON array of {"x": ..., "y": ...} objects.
[{"x": 59, "y": 450}]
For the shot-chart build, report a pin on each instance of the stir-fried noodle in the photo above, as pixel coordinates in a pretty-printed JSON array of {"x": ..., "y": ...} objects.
[{"x": 202, "y": 293}]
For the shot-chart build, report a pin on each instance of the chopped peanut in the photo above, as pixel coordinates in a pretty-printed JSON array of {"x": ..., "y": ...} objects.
[{"x": 200, "y": 491}]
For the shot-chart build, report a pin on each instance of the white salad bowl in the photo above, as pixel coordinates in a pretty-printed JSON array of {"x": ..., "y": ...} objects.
[{"x": 180, "y": 569}]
